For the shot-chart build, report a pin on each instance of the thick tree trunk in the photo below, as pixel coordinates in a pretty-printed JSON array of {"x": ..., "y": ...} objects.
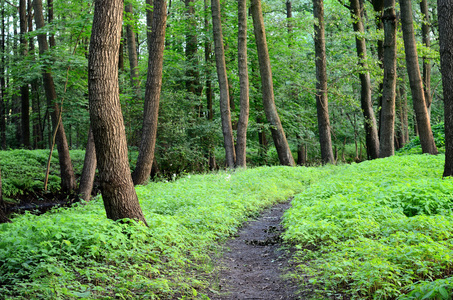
[
  {"x": 225, "y": 114},
  {"x": 152, "y": 94},
  {"x": 322, "y": 104},
  {"x": 89, "y": 169},
  {"x": 132, "y": 51},
  {"x": 371, "y": 132},
  {"x": 387, "y": 146},
  {"x": 244, "y": 85},
  {"x": 426, "y": 62},
  {"x": 415, "y": 80},
  {"x": 278, "y": 135},
  {"x": 24, "y": 91},
  {"x": 68, "y": 182},
  {"x": 403, "y": 132},
  {"x": 445, "y": 17},
  {"x": 118, "y": 193}
]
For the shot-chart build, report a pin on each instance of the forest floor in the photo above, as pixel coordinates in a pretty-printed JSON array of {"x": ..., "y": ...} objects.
[{"x": 254, "y": 261}]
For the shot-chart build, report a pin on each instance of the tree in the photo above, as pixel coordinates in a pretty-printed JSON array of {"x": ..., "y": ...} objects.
[
  {"x": 267, "y": 87},
  {"x": 132, "y": 51},
  {"x": 156, "y": 43},
  {"x": 445, "y": 17},
  {"x": 24, "y": 91},
  {"x": 68, "y": 182},
  {"x": 415, "y": 80},
  {"x": 244, "y": 85},
  {"x": 426, "y": 63},
  {"x": 89, "y": 169},
  {"x": 225, "y": 114},
  {"x": 371, "y": 134},
  {"x": 3, "y": 217},
  {"x": 387, "y": 147},
  {"x": 118, "y": 193},
  {"x": 321, "y": 84}
]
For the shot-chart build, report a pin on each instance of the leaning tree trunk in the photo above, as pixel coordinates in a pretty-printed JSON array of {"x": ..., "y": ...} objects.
[
  {"x": 68, "y": 182},
  {"x": 445, "y": 17},
  {"x": 415, "y": 80},
  {"x": 225, "y": 114},
  {"x": 156, "y": 43},
  {"x": 281, "y": 144},
  {"x": 426, "y": 63},
  {"x": 89, "y": 169},
  {"x": 371, "y": 133},
  {"x": 244, "y": 85},
  {"x": 322, "y": 104},
  {"x": 118, "y": 193},
  {"x": 387, "y": 145}
]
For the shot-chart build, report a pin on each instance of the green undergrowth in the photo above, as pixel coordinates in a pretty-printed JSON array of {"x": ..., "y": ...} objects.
[
  {"x": 414, "y": 146},
  {"x": 24, "y": 171},
  {"x": 382, "y": 229},
  {"x": 77, "y": 253}
]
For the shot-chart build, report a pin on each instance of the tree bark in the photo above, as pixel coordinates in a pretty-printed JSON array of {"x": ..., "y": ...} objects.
[
  {"x": 3, "y": 217},
  {"x": 278, "y": 135},
  {"x": 68, "y": 182},
  {"x": 426, "y": 62},
  {"x": 225, "y": 114},
  {"x": 52, "y": 42},
  {"x": 24, "y": 91},
  {"x": 244, "y": 85},
  {"x": 3, "y": 83},
  {"x": 387, "y": 145},
  {"x": 371, "y": 132},
  {"x": 89, "y": 169},
  {"x": 132, "y": 51},
  {"x": 322, "y": 104},
  {"x": 118, "y": 193},
  {"x": 156, "y": 46},
  {"x": 445, "y": 17},
  {"x": 415, "y": 80}
]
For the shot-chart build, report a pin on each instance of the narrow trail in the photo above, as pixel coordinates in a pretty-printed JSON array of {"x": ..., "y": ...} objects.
[{"x": 253, "y": 263}]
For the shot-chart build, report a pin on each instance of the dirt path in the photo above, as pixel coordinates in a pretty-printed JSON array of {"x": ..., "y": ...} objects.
[{"x": 253, "y": 262}]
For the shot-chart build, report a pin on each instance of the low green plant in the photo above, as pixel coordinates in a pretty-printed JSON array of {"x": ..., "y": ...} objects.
[
  {"x": 79, "y": 253},
  {"x": 375, "y": 229}
]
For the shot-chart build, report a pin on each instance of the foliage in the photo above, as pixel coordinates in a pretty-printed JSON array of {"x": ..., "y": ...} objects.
[
  {"x": 414, "y": 146},
  {"x": 23, "y": 171},
  {"x": 78, "y": 253},
  {"x": 376, "y": 230}
]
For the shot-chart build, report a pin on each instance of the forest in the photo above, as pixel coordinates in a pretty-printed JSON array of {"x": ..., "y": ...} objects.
[{"x": 152, "y": 131}]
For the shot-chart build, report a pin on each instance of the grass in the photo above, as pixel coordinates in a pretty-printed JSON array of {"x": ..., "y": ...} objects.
[
  {"x": 381, "y": 229},
  {"x": 78, "y": 253}
]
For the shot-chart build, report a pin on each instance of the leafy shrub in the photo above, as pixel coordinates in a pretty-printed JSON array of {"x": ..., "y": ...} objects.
[{"x": 414, "y": 146}]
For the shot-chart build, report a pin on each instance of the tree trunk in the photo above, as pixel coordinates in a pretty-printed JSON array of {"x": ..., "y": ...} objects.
[
  {"x": 278, "y": 135},
  {"x": 225, "y": 114},
  {"x": 132, "y": 51},
  {"x": 156, "y": 43},
  {"x": 387, "y": 146},
  {"x": 3, "y": 83},
  {"x": 3, "y": 217},
  {"x": 322, "y": 104},
  {"x": 24, "y": 91},
  {"x": 371, "y": 133},
  {"x": 426, "y": 62},
  {"x": 445, "y": 17},
  {"x": 52, "y": 42},
  {"x": 89, "y": 169},
  {"x": 244, "y": 85},
  {"x": 193, "y": 80},
  {"x": 118, "y": 193},
  {"x": 68, "y": 182},
  {"x": 415, "y": 80}
]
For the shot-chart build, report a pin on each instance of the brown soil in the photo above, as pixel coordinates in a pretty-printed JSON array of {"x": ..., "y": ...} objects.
[{"x": 254, "y": 262}]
